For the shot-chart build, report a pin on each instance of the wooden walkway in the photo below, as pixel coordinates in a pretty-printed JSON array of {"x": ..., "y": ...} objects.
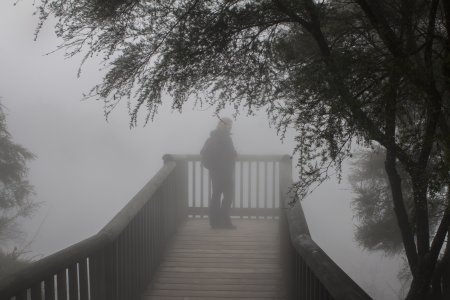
[{"x": 204, "y": 263}]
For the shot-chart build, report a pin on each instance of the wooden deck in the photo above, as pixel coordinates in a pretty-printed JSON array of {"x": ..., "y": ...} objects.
[{"x": 204, "y": 263}]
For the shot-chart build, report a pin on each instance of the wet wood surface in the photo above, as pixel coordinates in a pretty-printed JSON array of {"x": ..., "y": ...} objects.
[{"x": 204, "y": 263}]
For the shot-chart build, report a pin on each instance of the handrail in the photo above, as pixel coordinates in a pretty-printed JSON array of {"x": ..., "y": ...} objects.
[
  {"x": 240, "y": 157},
  {"x": 118, "y": 262},
  {"x": 309, "y": 272},
  {"x": 52, "y": 264},
  {"x": 255, "y": 180}
]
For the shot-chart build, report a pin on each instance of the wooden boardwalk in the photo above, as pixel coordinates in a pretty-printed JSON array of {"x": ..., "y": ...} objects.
[{"x": 204, "y": 263}]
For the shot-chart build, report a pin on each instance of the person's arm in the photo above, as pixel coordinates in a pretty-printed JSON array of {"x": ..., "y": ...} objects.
[{"x": 232, "y": 149}]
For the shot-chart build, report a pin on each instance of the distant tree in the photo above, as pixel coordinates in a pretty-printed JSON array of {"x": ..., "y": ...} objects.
[
  {"x": 336, "y": 71},
  {"x": 377, "y": 228},
  {"x": 10, "y": 262},
  {"x": 15, "y": 190},
  {"x": 372, "y": 204}
]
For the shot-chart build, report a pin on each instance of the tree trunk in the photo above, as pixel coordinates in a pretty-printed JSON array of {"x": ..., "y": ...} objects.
[{"x": 420, "y": 286}]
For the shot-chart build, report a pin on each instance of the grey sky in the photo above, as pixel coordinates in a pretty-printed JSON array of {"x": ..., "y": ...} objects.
[{"x": 87, "y": 169}]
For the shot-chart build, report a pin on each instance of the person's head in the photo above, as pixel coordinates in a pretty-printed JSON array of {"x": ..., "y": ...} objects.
[{"x": 225, "y": 124}]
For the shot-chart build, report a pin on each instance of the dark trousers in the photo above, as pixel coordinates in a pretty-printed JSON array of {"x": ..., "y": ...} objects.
[{"x": 219, "y": 210}]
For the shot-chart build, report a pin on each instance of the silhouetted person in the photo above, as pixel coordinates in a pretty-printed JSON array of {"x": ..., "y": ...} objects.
[{"x": 218, "y": 156}]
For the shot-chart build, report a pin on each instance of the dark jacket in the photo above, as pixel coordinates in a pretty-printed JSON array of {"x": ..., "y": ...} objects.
[{"x": 218, "y": 153}]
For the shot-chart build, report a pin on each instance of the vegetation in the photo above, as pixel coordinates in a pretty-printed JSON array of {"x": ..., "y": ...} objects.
[
  {"x": 11, "y": 262},
  {"x": 377, "y": 228},
  {"x": 337, "y": 71},
  {"x": 15, "y": 194}
]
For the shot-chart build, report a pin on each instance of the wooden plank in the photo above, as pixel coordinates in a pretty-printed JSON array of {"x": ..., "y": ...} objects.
[
  {"x": 227, "y": 243},
  {"x": 213, "y": 294},
  {"x": 219, "y": 259},
  {"x": 239, "y": 212},
  {"x": 215, "y": 287},
  {"x": 219, "y": 270},
  {"x": 224, "y": 251},
  {"x": 203, "y": 298},
  {"x": 221, "y": 247},
  {"x": 223, "y": 281},
  {"x": 213, "y": 255},
  {"x": 220, "y": 265},
  {"x": 212, "y": 264},
  {"x": 198, "y": 275}
]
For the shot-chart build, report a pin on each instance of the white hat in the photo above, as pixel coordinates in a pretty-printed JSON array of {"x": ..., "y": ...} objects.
[{"x": 224, "y": 123}]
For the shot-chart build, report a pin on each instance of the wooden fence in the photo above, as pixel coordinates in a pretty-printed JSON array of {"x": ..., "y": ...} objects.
[
  {"x": 256, "y": 186},
  {"x": 309, "y": 273},
  {"x": 118, "y": 262}
]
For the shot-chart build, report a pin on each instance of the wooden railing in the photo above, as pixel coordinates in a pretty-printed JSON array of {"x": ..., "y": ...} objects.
[
  {"x": 256, "y": 186},
  {"x": 119, "y": 261},
  {"x": 308, "y": 272}
]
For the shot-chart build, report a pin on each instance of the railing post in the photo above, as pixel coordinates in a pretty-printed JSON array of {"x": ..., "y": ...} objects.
[
  {"x": 97, "y": 276},
  {"x": 285, "y": 181},
  {"x": 286, "y": 250}
]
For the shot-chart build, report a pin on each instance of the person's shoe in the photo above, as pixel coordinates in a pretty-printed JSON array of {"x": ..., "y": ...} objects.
[
  {"x": 215, "y": 226},
  {"x": 229, "y": 226}
]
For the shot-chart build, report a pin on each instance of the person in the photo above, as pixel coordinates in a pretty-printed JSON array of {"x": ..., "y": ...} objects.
[{"x": 218, "y": 156}]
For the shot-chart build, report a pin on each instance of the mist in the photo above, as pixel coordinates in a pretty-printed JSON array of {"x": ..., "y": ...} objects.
[{"x": 87, "y": 168}]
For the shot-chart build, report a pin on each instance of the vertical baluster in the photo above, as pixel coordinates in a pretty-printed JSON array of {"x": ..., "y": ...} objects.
[
  {"x": 257, "y": 190},
  {"x": 266, "y": 188},
  {"x": 73, "y": 282},
  {"x": 235, "y": 189},
  {"x": 84, "y": 279},
  {"x": 118, "y": 283},
  {"x": 133, "y": 259},
  {"x": 145, "y": 243},
  {"x": 201, "y": 192},
  {"x": 124, "y": 250},
  {"x": 23, "y": 295},
  {"x": 273, "y": 187},
  {"x": 152, "y": 235},
  {"x": 304, "y": 280},
  {"x": 241, "y": 186},
  {"x": 194, "y": 202},
  {"x": 142, "y": 250},
  {"x": 316, "y": 288},
  {"x": 36, "y": 291},
  {"x": 61, "y": 281},
  {"x": 98, "y": 280},
  {"x": 249, "y": 177},
  {"x": 110, "y": 292},
  {"x": 49, "y": 287},
  {"x": 121, "y": 265},
  {"x": 308, "y": 282},
  {"x": 149, "y": 241}
]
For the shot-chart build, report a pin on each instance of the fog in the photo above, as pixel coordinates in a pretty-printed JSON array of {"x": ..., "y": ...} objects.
[{"x": 88, "y": 168}]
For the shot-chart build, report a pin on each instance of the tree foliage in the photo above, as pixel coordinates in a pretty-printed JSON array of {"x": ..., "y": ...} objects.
[
  {"x": 337, "y": 71},
  {"x": 373, "y": 205},
  {"x": 15, "y": 190}
]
